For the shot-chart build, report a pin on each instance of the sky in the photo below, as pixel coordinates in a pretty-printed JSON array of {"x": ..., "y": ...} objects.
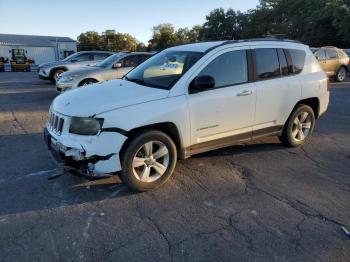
[{"x": 136, "y": 17}]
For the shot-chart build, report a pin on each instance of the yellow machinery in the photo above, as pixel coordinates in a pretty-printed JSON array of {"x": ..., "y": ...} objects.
[{"x": 19, "y": 61}]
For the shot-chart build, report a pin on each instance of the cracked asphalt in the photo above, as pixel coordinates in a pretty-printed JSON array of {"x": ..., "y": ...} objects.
[{"x": 251, "y": 202}]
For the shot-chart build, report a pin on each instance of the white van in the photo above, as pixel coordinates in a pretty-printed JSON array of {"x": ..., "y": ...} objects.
[{"x": 186, "y": 100}]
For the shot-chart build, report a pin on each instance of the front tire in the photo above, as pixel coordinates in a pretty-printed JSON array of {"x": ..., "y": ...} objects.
[
  {"x": 86, "y": 82},
  {"x": 148, "y": 161},
  {"x": 341, "y": 74},
  {"x": 56, "y": 74},
  {"x": 299, "y": 126}
]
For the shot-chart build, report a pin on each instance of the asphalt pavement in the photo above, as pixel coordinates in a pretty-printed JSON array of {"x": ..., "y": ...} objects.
[{"x": 251, "y": 202}]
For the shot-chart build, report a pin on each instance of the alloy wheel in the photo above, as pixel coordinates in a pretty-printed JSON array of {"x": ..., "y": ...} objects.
[
  {"x": 301, "y": 126},
  {"x": 341, "y": 74},
  {"x": 150, "y": 161}
]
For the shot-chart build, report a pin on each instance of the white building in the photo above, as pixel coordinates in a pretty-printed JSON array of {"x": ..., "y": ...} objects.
[{"x": 41, "y": 49}]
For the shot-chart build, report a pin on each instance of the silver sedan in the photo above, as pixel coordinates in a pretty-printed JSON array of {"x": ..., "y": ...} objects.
[{"x": 113, "y": 67}]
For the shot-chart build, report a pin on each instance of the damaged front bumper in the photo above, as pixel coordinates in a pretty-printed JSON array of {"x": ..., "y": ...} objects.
[{"x": 92, "y": 155}]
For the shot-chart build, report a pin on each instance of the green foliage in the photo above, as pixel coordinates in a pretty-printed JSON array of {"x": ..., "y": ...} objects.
[
  {"x": 108, "y": 40},
  {"x": 313, "y": 22}
]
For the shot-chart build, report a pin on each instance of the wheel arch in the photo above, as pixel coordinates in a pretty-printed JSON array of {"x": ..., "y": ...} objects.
[
  {"x": 57, "y": 68},
  {"x": 88, "y": 78},
  {"x": 168, "y": 128},
  {"x": 312, "y": 102}
]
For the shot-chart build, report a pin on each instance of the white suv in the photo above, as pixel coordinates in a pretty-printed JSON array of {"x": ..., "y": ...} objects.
[{"x": 186, "y": 100}]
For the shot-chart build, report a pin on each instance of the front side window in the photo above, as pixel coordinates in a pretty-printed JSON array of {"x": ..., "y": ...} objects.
[
  {"x": 298, "y": 60},
  {"x": 228, "y": 69},
  {"x": 320, "y": 54},
  {"x": 130, "y": 61},
  {"x": 109, "y": 61},
  {"x": 267, "y": 64},
  {"x": 163, "y": 69}
]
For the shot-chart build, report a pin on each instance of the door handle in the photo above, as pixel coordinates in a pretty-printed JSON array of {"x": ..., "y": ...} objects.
[{"x": 245, "y": 93}]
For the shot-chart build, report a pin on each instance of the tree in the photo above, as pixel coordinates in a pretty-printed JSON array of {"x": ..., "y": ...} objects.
[
  {"x": 89, "y": 41},
  {"x": 118, "y": 41},
  {"x": 163, "y": 37}
]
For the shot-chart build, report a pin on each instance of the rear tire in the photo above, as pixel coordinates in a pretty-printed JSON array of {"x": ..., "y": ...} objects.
[
  {"x": 299, "y": 126},
  {"x": 341, "y": 74},
  {"x": 148, "y": 161}
]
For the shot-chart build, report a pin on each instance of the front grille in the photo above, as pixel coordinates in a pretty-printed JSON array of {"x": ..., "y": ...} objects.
[{"x": 55, "y": 123}]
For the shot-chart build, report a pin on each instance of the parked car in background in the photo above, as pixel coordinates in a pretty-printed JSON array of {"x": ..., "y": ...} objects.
[
  {"x": 113, "y": 67},
  {"x": 334, "y": 61},
  {"x": 51, "y": 71},
  {"x": 314, "y": 49},
  {"x": 187, "y": 100}
]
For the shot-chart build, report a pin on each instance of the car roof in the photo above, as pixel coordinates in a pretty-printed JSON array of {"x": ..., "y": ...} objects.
[
  {"x": 208, "y": 46},
  {"x": 97, "y": 51}
]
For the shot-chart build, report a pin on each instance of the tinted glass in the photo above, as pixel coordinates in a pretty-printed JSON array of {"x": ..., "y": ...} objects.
[
  {"x": 130, "y": 61},
  {"x": 100, "y": 56},
  {"x": 83, "y": 57},
  {"x": 228, "y": 69},
  {"x": 320, "y": 54},
  {"x": 267, "y": 65},
  {"x": 331, "y": 53},
  {"x": 144, "y": 58},
  {"x": 109, "y": 61},
  {"x": 298, "y": 60},
  {"x": 283, "y": 62}
]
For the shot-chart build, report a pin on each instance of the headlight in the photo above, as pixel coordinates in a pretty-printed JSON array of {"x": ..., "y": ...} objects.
[
  {"x": 67, "y": 78},
  {"x": 85, "y": 125}
]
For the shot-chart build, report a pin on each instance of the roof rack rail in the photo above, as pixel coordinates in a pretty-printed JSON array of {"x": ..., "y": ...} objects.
[{"x": 270, "y": 38}]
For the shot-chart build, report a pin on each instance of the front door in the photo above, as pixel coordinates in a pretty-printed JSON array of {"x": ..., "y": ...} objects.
[{"x": 225, "y": 113}]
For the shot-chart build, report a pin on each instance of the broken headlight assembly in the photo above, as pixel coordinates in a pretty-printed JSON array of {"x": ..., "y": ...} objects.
[{"x": 85, "y": 125}]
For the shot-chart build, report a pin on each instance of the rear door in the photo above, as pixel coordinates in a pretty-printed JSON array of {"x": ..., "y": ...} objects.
[
  {"x": 332, "y": 62},
  {"x": 277, "y": 90},
  {"x": 322, "y": 59}
]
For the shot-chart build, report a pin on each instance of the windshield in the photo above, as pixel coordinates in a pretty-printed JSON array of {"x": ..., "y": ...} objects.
[
  {"x": 164, "y": 69},
  {"x": 109, "y": 61},
  {"x": 70, "y": 57}
]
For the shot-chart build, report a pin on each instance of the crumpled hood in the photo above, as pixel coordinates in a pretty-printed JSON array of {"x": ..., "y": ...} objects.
[{"x": 106, "y": 96}]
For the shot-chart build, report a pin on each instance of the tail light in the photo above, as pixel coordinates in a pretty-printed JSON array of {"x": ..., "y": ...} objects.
[{"x": 328, "y": 85}]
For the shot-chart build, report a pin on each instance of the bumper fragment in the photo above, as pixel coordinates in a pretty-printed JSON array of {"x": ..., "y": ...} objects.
[{"x": 78, "y": 157}]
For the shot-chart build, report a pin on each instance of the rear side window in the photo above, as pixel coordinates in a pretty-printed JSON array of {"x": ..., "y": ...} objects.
[
  {"x": 101, "y": 56},
  {"x": 267, "y": 64},
  {"x": 283, "y": 62},
  {"x": 228, "y": 69},
  {"x": 298, "y": 60},
  {"x": 331, "y": 53}
]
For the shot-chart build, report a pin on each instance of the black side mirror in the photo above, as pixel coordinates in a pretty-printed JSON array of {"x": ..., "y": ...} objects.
[
  {"x": 74, "y": 60},
  {"x": 202, "y": 83}
]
